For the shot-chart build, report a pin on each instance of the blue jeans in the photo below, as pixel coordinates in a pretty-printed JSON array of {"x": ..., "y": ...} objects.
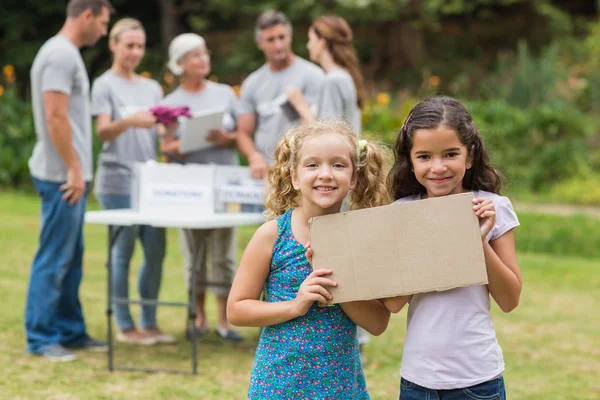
[
  {"x": 153, "y": 244},
  {"x": 53, "y": 312},
  {"x": 491, "y": 390}
]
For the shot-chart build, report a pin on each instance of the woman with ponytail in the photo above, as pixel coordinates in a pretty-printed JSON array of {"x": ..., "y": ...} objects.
[
  {"x": 305, "y": 350},
  {"x": 342, "y": 93}
]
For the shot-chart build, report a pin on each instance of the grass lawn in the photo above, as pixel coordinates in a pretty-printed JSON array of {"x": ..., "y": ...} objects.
[{"x": 551, "y": 342}]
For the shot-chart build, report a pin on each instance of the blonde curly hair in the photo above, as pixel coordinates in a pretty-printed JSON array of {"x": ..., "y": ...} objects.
[{"x": 367, "y": 159}]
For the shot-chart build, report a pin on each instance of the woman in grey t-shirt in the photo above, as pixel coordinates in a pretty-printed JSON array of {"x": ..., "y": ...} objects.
[
  {"x": 190, "y": 60},
  {"x": 342, "y": 91},
  {"x": 120, "y": 102}
]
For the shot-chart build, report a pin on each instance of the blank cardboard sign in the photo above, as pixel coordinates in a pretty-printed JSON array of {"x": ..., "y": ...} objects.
[{"x": 399, "y": 249}]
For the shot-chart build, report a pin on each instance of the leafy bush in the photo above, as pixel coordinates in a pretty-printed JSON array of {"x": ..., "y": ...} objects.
[
  {"x": 584, "y": 190},
  {"x": 534, "y": 147},
  {"x": 17, "y": 135}
]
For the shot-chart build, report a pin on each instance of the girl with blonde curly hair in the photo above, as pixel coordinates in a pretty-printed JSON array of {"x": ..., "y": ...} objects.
[{"x": 306, "y": 350}]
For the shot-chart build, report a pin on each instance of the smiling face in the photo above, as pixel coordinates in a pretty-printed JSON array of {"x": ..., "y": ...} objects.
[
  {"x": 325, "y": 172},
  {"x": 196, "y": 63},
  {"x": 439, "y": 160},
  {"x": 129, "y": 48}
]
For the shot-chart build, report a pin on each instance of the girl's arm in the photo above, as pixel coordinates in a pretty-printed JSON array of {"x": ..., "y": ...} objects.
[
  {"x": 504, "y": 275},
  {"x": 395, "y": 304},
  {"x": 244, "y": 307},
  {"x": 371, "y": 315}
]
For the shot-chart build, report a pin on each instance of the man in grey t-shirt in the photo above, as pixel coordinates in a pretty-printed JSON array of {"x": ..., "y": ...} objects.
[
  {"x": 61, "y": 168},
  {"x": 266, "y": 111}
]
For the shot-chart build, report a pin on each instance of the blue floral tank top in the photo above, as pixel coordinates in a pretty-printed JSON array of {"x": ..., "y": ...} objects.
[{"x": 311, "y": 357}]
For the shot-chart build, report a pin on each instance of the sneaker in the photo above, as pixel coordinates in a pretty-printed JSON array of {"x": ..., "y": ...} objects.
[
  {"x": 159, "y": 336},
  {"x": 58, "y": 353},
  {"x": 135, "y": 337},
  {"x": 229, "y": 334},
  {"x": 90, "y": 344}
]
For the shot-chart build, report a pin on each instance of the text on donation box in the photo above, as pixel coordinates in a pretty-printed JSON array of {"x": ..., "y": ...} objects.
[
  {"x": 177, "y": 196},
  {"x": 242, "y": 194}
]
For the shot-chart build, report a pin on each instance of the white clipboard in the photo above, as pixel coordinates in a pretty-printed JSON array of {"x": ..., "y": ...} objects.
[{"x": 195, "y": 130}]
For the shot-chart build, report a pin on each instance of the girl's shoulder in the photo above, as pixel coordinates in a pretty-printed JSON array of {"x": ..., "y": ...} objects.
[
  {"x": 267, "y": 233},
  {"x": 499, "y": 201},
  {"x": 506, "y": 218}
]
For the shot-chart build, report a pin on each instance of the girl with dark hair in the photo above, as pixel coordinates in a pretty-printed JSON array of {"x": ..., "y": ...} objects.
[
  {"x": 451, "y": 350},
  {"x": 342, "y": 93}
]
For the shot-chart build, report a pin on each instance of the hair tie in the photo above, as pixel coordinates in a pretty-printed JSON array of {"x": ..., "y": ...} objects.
[{"x": 362, "y": 146}]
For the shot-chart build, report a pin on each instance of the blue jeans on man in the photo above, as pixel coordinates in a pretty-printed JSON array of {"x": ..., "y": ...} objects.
[
  {"x": 53, "y": 314},
  {"x": 153, "y": 244}
]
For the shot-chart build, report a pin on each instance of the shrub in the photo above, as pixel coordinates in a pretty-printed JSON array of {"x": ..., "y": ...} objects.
[
  {"x": 17, "y": 134},
  {"x": 534, "y": 147}
]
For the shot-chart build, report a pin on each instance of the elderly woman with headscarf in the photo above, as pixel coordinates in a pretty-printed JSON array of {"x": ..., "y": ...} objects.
[{"x": 189, "y": 60}]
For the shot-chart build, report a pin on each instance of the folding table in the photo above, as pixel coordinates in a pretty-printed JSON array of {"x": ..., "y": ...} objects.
[{"x": 117, "y": 219}]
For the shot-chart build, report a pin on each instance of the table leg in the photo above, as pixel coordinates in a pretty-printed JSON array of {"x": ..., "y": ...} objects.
[
  {"x": 113, "y": 233},
  {"x": 197, "y": 264}
]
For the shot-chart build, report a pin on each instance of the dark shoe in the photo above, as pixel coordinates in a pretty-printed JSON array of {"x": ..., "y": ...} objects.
[
  {"x": 92, "y": 345},
  {"x": 199, "y": 331},
  {"x": 230, "y": 335},
  {"x": 58, "y": 353}
]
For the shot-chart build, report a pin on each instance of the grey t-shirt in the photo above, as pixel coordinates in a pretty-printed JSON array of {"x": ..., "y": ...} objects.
[
  {"x": 58, "y": 67},
  {"x": 338, "y": 99},
  {"x": 263, "y": 93},
  {"x": 116, "y": 96},
  {"x": 214, "y": 96}
]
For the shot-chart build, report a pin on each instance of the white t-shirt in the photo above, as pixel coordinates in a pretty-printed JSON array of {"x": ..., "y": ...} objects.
[{"x": 450, "y": 340}]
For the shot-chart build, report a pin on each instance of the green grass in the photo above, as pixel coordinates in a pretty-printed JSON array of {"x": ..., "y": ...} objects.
[{"x": 551, "y": 342}]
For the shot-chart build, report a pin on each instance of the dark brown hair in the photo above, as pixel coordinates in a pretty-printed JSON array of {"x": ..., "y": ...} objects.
[
  {"x": 338, "y": 36},
  {"x": 430, "y": 114},
  {"x": 76, "y": 7}
]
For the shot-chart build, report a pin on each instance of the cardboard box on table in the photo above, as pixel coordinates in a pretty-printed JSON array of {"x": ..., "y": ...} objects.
[
  {"x": 195, "y": 188},
  {"x": 400, "y": 249}
]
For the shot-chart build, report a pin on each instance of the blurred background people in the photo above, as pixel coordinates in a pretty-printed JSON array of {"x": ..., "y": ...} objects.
[
  {"x": 189, "y": 59},
  {"x": 120, "y": 102}
]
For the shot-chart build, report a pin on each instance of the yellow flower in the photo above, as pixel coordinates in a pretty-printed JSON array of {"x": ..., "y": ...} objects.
[
  {"x": 434, "y": 80},
  {"x": 169, "y": 78},
  {"x": 1, "y": 90},
  {"x": 236, "y": 90},
  {"x": 383, "y": 99},
  {"x": 146, "y": 74},
  {"x": 8, "y": 71}
]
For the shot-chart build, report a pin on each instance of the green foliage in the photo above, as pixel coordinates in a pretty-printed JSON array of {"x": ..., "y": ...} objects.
[
  {"x": 17, "y": 137},
  {"x": 583, "y": 190},
  {"x": 535, "y": 146},
  {"x": 573, "y": 235}
]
